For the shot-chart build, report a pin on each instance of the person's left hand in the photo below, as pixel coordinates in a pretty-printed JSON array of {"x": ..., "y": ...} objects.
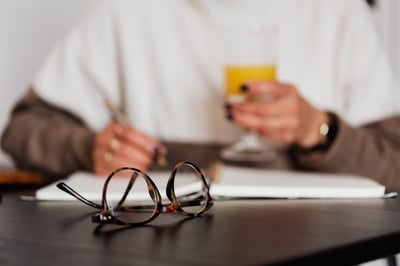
[{"x": 286, "y": 117}]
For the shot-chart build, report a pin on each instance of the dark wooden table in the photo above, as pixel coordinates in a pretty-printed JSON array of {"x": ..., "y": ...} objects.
[{"x": 243, "y": 232}]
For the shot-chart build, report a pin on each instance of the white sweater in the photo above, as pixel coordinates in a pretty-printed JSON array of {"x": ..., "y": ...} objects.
[{"x": 161, "y": 61}]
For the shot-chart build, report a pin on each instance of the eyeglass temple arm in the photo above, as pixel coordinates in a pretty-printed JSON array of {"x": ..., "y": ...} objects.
[
  {"x": 64, "y": 187},
  {"x": 128, "y": 189}
]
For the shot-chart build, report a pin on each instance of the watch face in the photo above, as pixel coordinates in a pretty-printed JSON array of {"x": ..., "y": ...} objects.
[
  {"x": 323, "y": 131},
  {"x": 328, "y": 132}
]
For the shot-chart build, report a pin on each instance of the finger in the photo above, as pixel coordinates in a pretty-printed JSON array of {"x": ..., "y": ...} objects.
[
  {"x": 127, "y": 153},
  {"x": 286, "y": 126},
  {"x": 272, "y": 88},
  {"x": 266, "y": 125},
  {"x": 250, "y": 121},
  {"x": 103, "y": 138},
  {"x": 133, "y": 157},
  {"x": 107, "y": 160},
  {"x": 102, "y": 162},
  {"x": 276, "y": 107},
  {"x": 120, "y": 161},
  {"x": 112, "y": 149},
  {"x": 283, "y": 137},
  {"x": 140, "y": 140}
]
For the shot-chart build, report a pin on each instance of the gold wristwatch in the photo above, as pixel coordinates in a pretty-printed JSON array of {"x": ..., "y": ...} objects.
[{"x": 328, "y": 131}]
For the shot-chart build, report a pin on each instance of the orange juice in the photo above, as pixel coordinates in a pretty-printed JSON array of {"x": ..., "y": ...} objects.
[{"x": 236, "y": 76}]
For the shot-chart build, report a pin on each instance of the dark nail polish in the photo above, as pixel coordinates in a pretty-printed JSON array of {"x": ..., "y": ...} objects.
[
  {"x": 229, "y": 116},
  {"x": 156, "y": 152},
  {"x": 228, "y": 106},
  {"x": 244, "y": 88}
]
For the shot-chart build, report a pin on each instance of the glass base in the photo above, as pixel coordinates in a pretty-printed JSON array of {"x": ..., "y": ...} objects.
[{"x": 249, "y": 149}]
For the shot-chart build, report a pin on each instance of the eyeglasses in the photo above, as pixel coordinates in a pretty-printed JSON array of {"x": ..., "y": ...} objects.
[{"x": 139, "y": 200}]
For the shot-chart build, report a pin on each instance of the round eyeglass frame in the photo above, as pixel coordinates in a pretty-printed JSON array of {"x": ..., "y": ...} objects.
[{"x": 106, "y": 215}]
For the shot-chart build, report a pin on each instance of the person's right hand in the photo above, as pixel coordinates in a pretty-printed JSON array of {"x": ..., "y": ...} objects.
[{"x": 120, "y": 145}]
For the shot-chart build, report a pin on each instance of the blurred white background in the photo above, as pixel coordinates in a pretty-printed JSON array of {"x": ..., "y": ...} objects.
[
  {"x": 29, "y": 29},
  {"x": 387, "y": 14}
]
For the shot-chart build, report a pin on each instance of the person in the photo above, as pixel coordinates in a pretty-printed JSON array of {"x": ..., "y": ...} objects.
[{"x": 160, "y": 62}]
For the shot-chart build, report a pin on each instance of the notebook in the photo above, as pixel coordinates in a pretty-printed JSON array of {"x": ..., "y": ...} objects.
[
  {"x": 234, "y": 182},
  {"x": 91, "y": 186},
  {"x": 242, "y": 182}
]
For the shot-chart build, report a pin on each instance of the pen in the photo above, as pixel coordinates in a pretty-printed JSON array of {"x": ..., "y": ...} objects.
[
  {"x": 115, "y": 111},
  {"x": 119, "y": 116}
]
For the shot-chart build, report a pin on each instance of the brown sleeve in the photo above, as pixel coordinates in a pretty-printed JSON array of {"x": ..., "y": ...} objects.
[
  {"x": 47, "y": 139},
  {"x": 372, "y": 150}
]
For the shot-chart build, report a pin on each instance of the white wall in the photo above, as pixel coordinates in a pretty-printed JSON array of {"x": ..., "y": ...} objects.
[
  {"x": 387, "y": 14},
  {"x": 28, "y": 30}
]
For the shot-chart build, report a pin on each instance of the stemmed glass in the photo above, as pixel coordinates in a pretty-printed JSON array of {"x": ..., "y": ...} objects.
[{"x": 249, "y": 55}]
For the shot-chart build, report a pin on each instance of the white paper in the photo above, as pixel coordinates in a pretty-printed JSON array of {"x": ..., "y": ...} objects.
[
  {"x": 233, "y": 182},
  {"x": 261, "y": 183},
  {"x": 90, "y": 186}
]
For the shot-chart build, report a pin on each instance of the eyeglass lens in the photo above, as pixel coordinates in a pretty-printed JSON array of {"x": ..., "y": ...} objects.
[
  {"x": 129, "y": 196},
  {"x": 190, "y": 190}
]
